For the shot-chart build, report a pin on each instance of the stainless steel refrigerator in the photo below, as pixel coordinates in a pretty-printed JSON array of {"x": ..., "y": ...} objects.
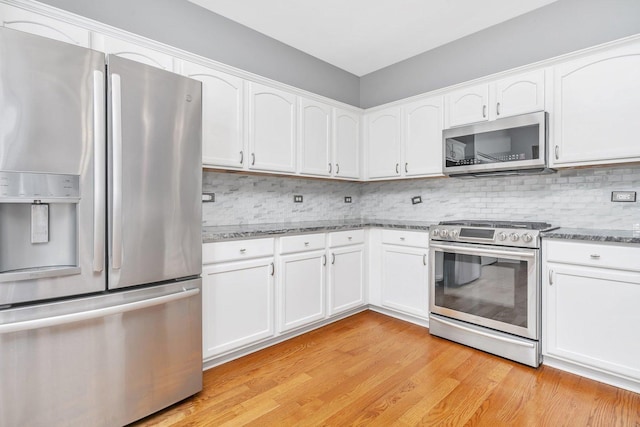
[{"x": 100, "y": 236}]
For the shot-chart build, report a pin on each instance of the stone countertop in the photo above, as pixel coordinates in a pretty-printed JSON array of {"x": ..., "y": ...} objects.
[
  {"x": 248, "y": 231},
  {"x": 593, "y": 235}
]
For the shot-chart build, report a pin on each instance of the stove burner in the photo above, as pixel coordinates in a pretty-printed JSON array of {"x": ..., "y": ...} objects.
[{"x": 524, "y": 225}]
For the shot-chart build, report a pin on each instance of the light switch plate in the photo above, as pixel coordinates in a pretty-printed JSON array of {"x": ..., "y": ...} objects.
[
  {"x": 297, "y": 199},
  {"x": 416, "y": 199},
  {"x": 347, "y": 199},
  {"x": 623, "y": 196},
  {"x": 208, "y": 197}
]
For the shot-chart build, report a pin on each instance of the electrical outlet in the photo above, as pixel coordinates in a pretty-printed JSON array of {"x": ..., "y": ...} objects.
[
  {"x": 208, "y": 197},
  {"x": 623, "y": 196},
  {"x": 297, "y": 199},
  {"x": 347, "y": 199},
  {"x": 416, "y": 199}
]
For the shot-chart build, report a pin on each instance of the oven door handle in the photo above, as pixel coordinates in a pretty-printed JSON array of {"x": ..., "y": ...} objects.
[
  {"x": 474, "y": 250},
  {"x": 484, "y": 334}
]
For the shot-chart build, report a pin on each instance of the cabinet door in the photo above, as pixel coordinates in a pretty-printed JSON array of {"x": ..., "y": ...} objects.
[
  {"x": 222, "y": 116},
  {"x": 383, "y": 135},
  {"x": 315, "y": 138},
  {"x": 469, "y": 105},
  {"x": 346, "y": 278},
  {"x": 134, "y": 52},
  {"x": 423, "y": 137},
  {"x": 596, "y": 108},
  {"x": 519, "y": 94},
  {"x": 272, "y": 124},
  {"x": 592, "y": 317},
  {"x": 29, "y": 22},
  {"x": 346, "y": 144},
  {"x": 404, "y": 280},
  {"x": 301, "y": 290},
  {"x": 237, "y": 301}
]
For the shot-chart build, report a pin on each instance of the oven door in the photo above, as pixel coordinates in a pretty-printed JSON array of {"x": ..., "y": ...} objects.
[{"x": 490, "y": 286}]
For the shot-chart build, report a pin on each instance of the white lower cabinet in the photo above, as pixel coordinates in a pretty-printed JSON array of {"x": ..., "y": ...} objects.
[
  {"x": 301, "y": 289},
  {"x": 590, "y": 311},
  {"x": 346, "y": 271},
  {"x": 238, "y": 299},
  {"x": 405, "y": 284}
]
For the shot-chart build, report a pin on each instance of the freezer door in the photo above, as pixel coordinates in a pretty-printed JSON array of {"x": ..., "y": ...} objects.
[
  {"x": 101, "y": 361},
  {"x": 52, "y": 168},
  {"x": 155, "y": 174}
]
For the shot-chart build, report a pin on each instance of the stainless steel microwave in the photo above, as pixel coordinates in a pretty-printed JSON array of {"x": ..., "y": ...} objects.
[{"x": 513, "y": 145}]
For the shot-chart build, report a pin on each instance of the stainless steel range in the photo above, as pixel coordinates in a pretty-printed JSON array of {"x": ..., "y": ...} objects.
[{"x": 485, "y": 286}]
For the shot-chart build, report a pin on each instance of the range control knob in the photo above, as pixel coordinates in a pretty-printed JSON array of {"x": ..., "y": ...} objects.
[
  {"x": 444, "y": 233},
  {"x": 514, "y": 237},
  {"x": 502, "y": 236},
  {"x": 454, "y": 234},
  {"x": 435, "y": 233},
  {"x": 527, "y": 238}
]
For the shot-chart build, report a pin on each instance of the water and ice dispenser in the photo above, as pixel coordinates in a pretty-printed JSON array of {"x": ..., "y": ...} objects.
[{"x": 38, "y": 225}]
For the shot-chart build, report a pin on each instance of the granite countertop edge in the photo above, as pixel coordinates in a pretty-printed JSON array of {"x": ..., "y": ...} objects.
[
  {"x": 237, "y": 232},
  {"x": 593, "y": 235}
]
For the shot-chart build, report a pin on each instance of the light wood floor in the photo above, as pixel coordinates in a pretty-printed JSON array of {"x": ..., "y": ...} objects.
[{"x": 371, "y": 369}]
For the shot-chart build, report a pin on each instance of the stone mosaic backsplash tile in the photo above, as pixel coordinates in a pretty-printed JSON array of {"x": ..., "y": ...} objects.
[
  {"x": 568, "y": 198},
  {"x": 253, "y": 199}
]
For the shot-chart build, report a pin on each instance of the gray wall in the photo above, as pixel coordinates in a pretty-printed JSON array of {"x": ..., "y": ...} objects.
[
  {"x": 187, "y": 26},
  {"x": 558, "y": 28}
]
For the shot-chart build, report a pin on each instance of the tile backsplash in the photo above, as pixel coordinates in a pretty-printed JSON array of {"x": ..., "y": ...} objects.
[
  {"x": 253, "y": 199},
  {"x": 568, "y": 198}
]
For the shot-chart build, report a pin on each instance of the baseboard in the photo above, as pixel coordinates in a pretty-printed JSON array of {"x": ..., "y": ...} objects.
[{"x": 592, "y": 373}]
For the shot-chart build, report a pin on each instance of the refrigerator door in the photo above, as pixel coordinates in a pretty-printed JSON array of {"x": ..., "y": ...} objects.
[
  {"x": 101, "y": 361},
  {"x": 155, "y": 174},
  {"x": 52, "y": 169}
]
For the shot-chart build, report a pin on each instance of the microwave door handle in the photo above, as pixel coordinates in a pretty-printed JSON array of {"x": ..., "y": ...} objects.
[
  {"x": 99, "y": 170},
  {"x": 116, "y": 131}
]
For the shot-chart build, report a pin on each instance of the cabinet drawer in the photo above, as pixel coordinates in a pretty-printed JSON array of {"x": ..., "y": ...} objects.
[
  {"x": 304, "y": 242},
  {"x": 406, "y": 238},
  {"x": 236, "y": 250},
  {"x": 593, "y": 255},
  {"x": 343, "y": 238}
]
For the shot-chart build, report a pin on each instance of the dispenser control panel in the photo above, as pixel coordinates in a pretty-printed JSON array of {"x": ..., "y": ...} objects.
[{"x": 27, "y": 186}]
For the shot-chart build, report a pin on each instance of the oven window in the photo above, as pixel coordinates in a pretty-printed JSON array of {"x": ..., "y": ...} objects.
[{"x": 492, "y": 288}]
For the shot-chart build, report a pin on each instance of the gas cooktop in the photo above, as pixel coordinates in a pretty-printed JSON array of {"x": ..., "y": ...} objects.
[{"x": 523, "y": 225}]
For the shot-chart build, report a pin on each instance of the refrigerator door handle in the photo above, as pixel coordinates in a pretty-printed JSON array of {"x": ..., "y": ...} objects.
[
  {"x": 116, "y": 132},
  {"x": 48, "y": 322},
  {"x": 99, "y": 171}
]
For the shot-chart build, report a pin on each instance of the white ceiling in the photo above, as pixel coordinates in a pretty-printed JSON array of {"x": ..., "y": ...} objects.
[{"x": 362, "y": 36}]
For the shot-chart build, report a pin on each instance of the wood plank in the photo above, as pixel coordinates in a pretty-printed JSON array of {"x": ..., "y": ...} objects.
[{"x": 370, "y": 369}]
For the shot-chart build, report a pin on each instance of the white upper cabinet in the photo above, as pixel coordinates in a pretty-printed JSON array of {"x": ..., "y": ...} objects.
[
  {"x": 223, "y": 141},
  {"x": 469, "y": 105},
  {"x": 272, "y": 129},
  {"x": 596, "y": 116},
  {"x": 315, "y": 138},
  {"x": 519, "y": 94},
  {"x": 346, "y": 144},
  {"x": 510, "y": 96},
  {"x": 383, "y": 143},
  {"x": 134, "y": 52},
  {"x": 29, "y": 22},
  {"x": 422, "y": 137}
]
